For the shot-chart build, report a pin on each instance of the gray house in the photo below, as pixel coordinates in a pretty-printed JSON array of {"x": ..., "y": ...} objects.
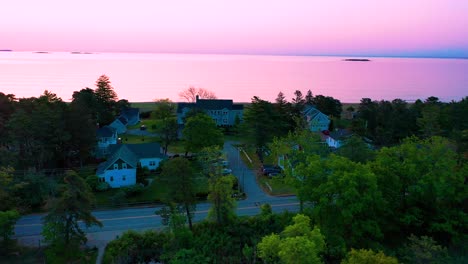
[
  {"x": 128, "y": 117},
  {"x": 223, "y": 112},
  {"x": 316, "y": 120}
]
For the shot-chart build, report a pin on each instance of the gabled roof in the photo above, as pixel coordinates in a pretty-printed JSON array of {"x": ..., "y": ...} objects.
[
  {"x": 131, "y": 154},
  {"x": 123, "y": 120},
  {"x": 130, "y": 113},
  {"x": 120, "y": 151},
  {"x": 105, "y": 131},
  {"x": 312, "y": 113}
]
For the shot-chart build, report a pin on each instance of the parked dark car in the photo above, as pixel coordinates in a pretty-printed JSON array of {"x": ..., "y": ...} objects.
[{"x": 271, "y": 169}]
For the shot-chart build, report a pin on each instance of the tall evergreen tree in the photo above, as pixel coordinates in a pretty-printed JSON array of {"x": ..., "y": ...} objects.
[
  {"x": 61, "y": 225},
  {"x": 107, "y": 100}
]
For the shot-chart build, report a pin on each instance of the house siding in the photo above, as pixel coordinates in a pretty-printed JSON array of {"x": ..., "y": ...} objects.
[
  {"x": 145, "y": 163},
  {"x": 115, "y": 178}
]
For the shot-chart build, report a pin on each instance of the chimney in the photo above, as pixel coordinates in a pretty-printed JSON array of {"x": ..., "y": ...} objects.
[{"x": 197, "y": 97}]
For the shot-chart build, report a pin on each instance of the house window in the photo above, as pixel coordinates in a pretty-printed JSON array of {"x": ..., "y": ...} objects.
[
  {"x": 116, "y": 166},
  {"x": 152, "y": 163},
  {"x": 112, "y": 178},
  {"x": 124, "y": 165},
  {"x": 225, "y": 121},
  {"x": 123, "y": 178}
]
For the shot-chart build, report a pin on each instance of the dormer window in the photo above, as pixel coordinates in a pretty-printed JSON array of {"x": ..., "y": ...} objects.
[
  {"x": 116, "y": 166},
  {"x": 124, "y": 165}
]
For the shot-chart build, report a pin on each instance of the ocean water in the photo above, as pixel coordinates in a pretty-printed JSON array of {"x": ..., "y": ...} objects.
[{"x": 144, "y": 77}]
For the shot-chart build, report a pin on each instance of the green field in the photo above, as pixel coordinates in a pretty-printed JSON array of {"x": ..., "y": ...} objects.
[{"x": 144, "y": 106}]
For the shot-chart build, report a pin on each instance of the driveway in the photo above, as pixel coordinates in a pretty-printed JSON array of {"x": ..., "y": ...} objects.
[{"x": 247, "y": 177}]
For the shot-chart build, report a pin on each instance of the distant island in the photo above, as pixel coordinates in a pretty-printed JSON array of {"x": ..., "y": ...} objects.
[
  {"x": 357, "y": 60},
  {"x": 79, "y": 52},
  {"x": 42, "y": 52},
  {"x": 5, "y": 50}
]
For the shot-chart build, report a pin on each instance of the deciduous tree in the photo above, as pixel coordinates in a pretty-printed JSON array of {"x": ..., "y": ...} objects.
[
  {"x": 191, "y": 94},
  {"x": 7, "y": 226},
  {"x": 180, "y": 177},
  {"x": 200, "y": 131},
  {"x": 368, "y": 256},
  {"x": 298, "y": 243}
]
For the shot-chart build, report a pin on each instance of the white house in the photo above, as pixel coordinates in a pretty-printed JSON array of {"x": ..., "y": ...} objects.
[
  {"x": 223, "y": 112},
  {"x": 120, "y": 168},
  {"x": 316, "y": 120}
]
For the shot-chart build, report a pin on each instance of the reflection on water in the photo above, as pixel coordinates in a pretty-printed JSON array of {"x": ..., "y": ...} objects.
[{"x": 144, "y": 77}]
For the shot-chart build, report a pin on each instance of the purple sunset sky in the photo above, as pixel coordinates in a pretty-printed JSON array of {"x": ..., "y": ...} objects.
[{"x": 424, "y": 28}]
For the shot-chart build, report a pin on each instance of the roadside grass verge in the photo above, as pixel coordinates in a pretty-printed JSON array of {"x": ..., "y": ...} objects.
[{"x": 276, "y": 186}]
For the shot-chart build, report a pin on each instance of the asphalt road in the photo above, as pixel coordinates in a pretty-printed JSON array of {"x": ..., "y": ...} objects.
[{"x": 28, "y": 229}]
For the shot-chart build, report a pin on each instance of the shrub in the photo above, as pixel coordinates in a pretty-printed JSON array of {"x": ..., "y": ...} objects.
[
  {"x": 102, "y": 186},
  {"x": 133, "y": 190},
  {"x": 92, "y": 181},
  {"x": 119, "y": 198}
]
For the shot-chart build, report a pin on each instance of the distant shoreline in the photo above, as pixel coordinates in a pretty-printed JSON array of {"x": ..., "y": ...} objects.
[{"x": 356, "y": 60}]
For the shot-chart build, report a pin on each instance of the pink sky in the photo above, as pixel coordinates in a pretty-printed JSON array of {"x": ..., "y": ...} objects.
[{"x": 303, "y": 27}]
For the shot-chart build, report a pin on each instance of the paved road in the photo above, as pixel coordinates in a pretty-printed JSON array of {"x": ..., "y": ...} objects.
[{"x": 28, "y": 229}]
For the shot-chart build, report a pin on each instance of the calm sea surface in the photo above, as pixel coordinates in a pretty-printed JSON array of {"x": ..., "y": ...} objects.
[{"x": 144, "y": 77}]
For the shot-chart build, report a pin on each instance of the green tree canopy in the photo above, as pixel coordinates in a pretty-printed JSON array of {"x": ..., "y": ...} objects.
[
  {"x": 7, "y": 226},
  {"x": 200, "y": 131},
  {"x": 424, "y": 189},
  {"x": 298, "y": 243},
  {"x": 182, "y": 187},
  {"x": 367, "y": 256},
  {"x": 166, "y": 125},
  {"x": 61, "y": 225}
]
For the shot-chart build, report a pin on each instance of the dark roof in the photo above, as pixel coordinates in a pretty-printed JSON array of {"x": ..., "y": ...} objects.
[
  {"x": 181, "y": 106},
  {"x": 105, "y": 131},
  {"x": 130, "y": 153},
  {"x": 123, "y": 120},
  {"x": 120, "y": 151},
  {"x": 214, "y": 104},
  {"x": 237, "y": 107},
  {"x": 340, "y": 133},
  {"x": 148, "y": 150},
  {"x": 130, "y": 113}
]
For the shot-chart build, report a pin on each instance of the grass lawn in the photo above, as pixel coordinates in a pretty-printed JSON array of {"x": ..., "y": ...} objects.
[
  {"x": 277, "y": 184},
  {"x": 152, "y": 194},
  {"x": 147, "y": 122},
  {"x": 177, "y": 147},
  {"x": 134, "y": 139}
]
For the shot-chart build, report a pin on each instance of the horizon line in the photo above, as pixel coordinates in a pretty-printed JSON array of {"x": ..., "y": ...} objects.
[{"x": 83, "y": 52}]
